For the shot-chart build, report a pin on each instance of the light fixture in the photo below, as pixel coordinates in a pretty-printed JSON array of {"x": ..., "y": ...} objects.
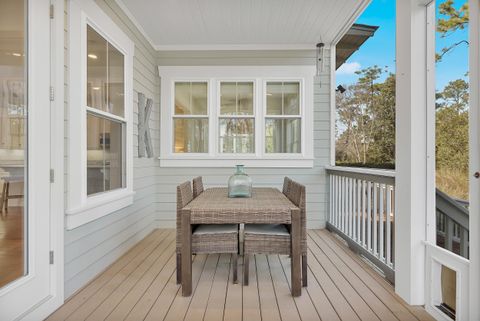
[
  {"x": 92, "y": 56},
  {"x": 96, "y": 88},
  {"x": 16, "y": 54},
  {"x": 340, "y": 89},
  {"x": 320, "y": 57}
]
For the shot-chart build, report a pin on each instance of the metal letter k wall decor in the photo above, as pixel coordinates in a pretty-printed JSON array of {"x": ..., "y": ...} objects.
[{"x": 144, "y": 138}]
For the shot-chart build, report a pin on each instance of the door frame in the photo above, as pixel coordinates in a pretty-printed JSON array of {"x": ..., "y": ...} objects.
[
  {"x": 57, "y": 208},
  {"x": 474, "y": 123}
]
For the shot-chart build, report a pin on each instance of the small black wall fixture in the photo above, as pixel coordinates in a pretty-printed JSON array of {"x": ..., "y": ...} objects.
[{"x": 144, "y": 138}]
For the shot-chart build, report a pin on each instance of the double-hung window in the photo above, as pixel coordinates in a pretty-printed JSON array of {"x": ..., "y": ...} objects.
[
  {"x": 100, "y": 140},
  {"x": 236, "y": 122},
  {"x": 220, "y": 116}
]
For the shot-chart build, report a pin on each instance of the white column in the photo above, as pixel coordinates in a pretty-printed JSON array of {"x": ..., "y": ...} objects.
[
  {"x": 411, "y": 228},
  {"x": 474, "y": 222}
]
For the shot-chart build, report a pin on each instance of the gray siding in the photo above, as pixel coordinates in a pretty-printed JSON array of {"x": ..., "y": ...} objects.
[
  {"x": 313, "y": 178},
  {"x": 90, "y": 248}
]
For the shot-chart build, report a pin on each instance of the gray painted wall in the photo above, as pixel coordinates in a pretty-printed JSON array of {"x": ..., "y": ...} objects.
[
  {"x": 313, "y": 178},
  {"x": 91, "y": 248}
]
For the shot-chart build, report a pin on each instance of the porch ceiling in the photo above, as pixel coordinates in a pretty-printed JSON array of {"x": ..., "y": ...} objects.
[{"x": 246, "y": 24}]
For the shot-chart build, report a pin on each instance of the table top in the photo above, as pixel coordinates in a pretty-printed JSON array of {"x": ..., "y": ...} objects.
[{"x": 267, "y": 205}]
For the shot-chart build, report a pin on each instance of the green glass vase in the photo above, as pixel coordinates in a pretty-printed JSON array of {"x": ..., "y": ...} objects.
[{"x": 240, "y": 184}]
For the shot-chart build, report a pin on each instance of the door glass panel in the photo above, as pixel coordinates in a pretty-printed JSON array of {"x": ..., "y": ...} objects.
[{"x": 13, "y": 140}]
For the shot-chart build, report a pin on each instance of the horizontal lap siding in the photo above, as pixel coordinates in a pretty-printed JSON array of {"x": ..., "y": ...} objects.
[
  {"x": 90, "y": 248},
  {"x": 313, "y": 178}
]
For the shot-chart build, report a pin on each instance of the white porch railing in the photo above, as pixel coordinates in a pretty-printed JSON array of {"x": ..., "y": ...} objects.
[{"x": 362, "y": 212}]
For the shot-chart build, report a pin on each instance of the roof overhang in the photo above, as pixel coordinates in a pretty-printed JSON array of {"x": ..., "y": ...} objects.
[{"x": 352, "y": 41}]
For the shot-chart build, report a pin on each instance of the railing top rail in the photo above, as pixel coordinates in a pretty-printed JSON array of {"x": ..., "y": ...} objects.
[
  {"x": 370, "y": 174},
  {"x": 451, "y": 208}
]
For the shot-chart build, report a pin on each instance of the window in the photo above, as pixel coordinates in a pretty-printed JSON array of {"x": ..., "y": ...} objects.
[
  {"x": 105, "y": 111},
  {"x": 100, "y": 151},
  {"x": 191, "y": 117},
  {"x": 220, "y": 116},
  {"x": 283, "y": 121},
  {"x": 237, "y": 120}
]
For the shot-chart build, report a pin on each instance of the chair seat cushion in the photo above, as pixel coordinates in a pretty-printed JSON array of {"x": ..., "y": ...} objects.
[
  {"x": 203, "y": 229},
  {"x": 267, "y": 229}
]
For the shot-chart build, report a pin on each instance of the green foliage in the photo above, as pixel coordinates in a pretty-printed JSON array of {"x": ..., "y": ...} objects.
[
  {"x": 452, "y": 126},
  {"x": 455, "y": 19},
  {"x": 366, "y": 119}
]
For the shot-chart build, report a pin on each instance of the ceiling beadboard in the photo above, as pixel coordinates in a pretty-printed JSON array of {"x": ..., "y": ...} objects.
[{"x": 245, "y": 24}]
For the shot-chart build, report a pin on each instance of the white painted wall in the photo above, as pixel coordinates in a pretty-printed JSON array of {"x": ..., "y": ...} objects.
[{"x": 90, "y": 248}]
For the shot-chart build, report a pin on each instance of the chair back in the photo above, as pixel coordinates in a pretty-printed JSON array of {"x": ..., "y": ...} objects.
[
  {"x": 197, "y": 186},
  {"x": 298, "y": 197},
  {"x": 184, "y": 196},
  {"x": 286, "y": 186}
]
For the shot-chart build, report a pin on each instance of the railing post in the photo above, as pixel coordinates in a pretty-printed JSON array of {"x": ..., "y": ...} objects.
[{"x": 412, "y": 95}]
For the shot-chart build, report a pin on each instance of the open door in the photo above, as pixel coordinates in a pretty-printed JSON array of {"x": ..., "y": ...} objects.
[{"x": 25, "y": 152}]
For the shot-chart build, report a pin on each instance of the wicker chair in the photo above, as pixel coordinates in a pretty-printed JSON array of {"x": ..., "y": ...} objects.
[
  {"x": 197, "y": 186},
  {"x": 276, "y": 238},
  {"x": 206, "y": 238}
]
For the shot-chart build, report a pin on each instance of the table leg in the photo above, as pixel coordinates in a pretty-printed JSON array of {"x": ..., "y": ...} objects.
[
  {"x": 186, "y": 254},
  {"x": 295, "y": 265}
]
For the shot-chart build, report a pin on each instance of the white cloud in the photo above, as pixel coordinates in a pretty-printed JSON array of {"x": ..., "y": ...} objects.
[{"x": 348, "y": 68}]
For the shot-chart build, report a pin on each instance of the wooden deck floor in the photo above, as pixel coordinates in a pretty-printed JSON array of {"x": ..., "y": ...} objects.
[{"x": 141, "y": 286}]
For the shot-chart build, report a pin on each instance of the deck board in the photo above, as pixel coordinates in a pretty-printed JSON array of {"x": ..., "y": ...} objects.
[{"x": 141, "y": 285}]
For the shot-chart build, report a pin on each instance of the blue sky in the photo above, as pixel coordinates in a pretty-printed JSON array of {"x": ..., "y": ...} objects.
[{"x": 380, "y": 49}]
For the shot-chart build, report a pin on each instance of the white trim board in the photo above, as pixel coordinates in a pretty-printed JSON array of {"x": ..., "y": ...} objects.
[{"x": 81, "y": 208}]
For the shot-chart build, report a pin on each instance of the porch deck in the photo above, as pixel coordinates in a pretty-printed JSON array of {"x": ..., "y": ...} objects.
[{"x": 141, "y": 286}]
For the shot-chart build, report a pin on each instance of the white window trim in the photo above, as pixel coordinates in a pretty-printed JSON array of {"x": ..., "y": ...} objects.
[
  {"x": 216, "y": 74},
  {"x": 81, "y": 208}
]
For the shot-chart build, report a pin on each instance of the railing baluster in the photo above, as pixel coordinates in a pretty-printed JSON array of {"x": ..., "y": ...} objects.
[
  {"x": 381, "y": 215},
  {"x": 349, "y": 207},
  {"x": 363, "y": 213},
  {"x": 464, "y": 243},
  {"x": 389, "y": 236},
  {"x": 337, "y": 202},
  {"x": 448, "y": 233},
  {"x": 375, "y": 220},
  {"x": 357, "y": 211},
  {"x": 369, "y": 216},
  {"x": 352, "y": 208},
  {"x": 344, "y": 201}
]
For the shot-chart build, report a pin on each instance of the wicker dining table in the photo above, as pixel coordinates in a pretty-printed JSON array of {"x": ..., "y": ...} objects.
[{"x": 266, "y": 206}]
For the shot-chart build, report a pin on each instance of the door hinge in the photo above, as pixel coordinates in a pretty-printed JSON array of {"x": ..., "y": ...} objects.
[
  {"x": 51, "y": 257},
  {"x": 52, "y": 93},
  {"x": 52, "y": 176},
  {"x": 52, "y": 11}
]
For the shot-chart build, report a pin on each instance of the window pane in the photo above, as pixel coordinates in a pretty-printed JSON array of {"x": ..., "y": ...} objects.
[
  {"x": 283, "y": 98},
  {"x": 191, "y": 98},
  {"x": 245, "y": 98},
  {"x": 96, "y": 70},
  {"x": 105, "y": 160},
  {"x": 228, "y": 98},
  {"x": 274, "y": 98},
  {"x": 105, "y": 75},
  {"x": 291, "y": 98},
  {"x": 191, "y": 135},
  {"x": 237, "y": 135},
  {"x": 282, "y": 136},
  {"x": 116, "y": 85},
  {"x": 236, "y": 98},
  {"x": 14, "y": 225}
]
